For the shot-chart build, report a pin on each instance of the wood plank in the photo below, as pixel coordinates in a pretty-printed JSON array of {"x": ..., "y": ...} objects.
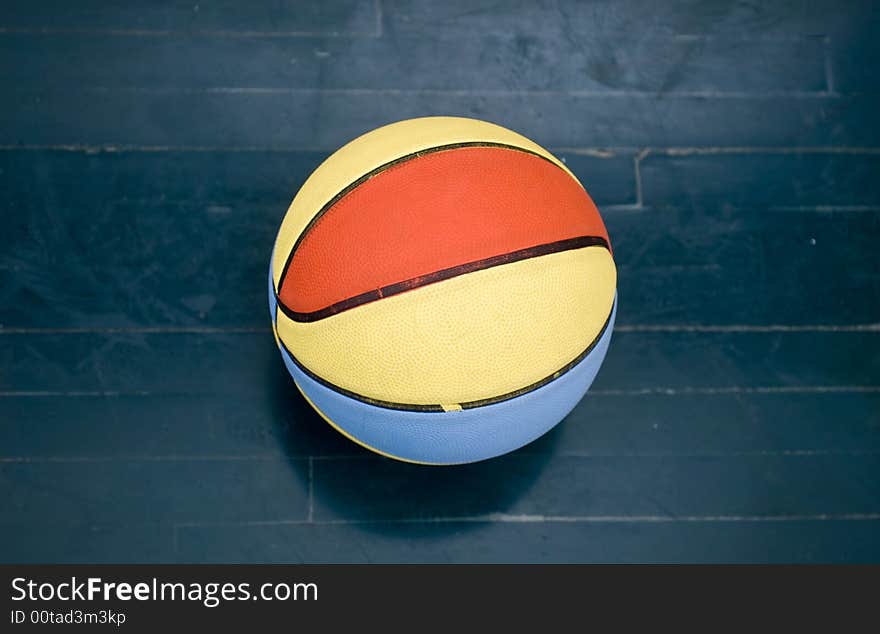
[
  {"x": 312, "y": 118},
  {"x": 305, "y": 17},
  {"x": 275, "y": 423},
  {"x": 761, "y": 180},
  {"x": 53, "y": 542},
  {"x": 279, "y": 422},
  {"x": 151, "y": 491},
  {"x": 719, "y": 424},
  {"x": 747, "y": 266},
  {"x": 605, "y": 20},
  {"x": 600, "y": 486},
  {"x": 426, "y": 61},
  {"x": 839, "y": 541}
]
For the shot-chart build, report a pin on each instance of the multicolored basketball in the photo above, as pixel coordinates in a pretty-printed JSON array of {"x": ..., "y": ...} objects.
[{"x": 442, "y": 290}]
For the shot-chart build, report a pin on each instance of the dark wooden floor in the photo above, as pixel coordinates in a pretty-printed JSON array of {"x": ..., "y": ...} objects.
[{"x": 148, "y": 151}]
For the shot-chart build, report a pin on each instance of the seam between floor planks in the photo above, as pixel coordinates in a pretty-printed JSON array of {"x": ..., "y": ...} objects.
[
  {"x": 269, "y": 457},
  {"x": 469, "y": 92},
  {"x": 669, "y": 391},
  {"x": 500, "y": 518},
  {"x": 184, "y": 330},
  {"x": 597, "y": 152}
]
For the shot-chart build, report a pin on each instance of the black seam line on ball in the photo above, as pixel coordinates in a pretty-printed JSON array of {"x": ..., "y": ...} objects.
[
  {"x": 468, "y": 405},
  {"x": 568, "y": 244},
  {"x": 382, "y": 168}
]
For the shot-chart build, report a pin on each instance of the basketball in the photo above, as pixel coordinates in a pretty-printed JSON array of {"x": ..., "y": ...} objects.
[{"x": 442, "y": 290}]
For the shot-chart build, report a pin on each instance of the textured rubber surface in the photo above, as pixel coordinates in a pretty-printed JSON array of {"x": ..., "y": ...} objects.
[
  {"x": 472, "y": 337},
  {"x": 377, "y": 148},
  {"x": 433, "y": 212},
  {"x": 375, "y": 294},
  {"x": 457, "y": 436}
]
